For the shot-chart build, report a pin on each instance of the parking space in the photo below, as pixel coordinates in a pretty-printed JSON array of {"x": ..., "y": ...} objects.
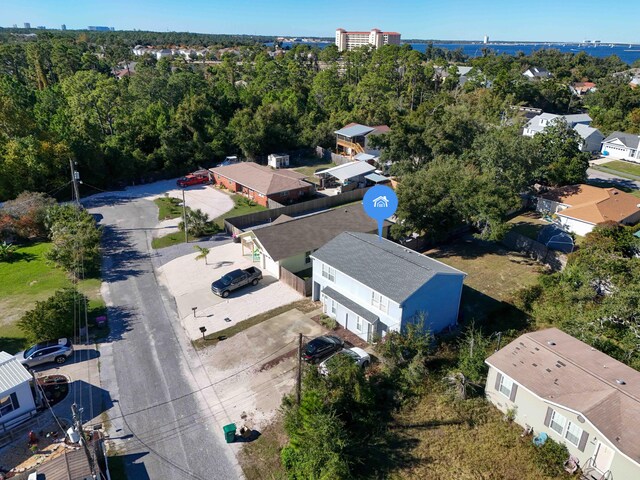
[
  {"x": 253, "y": 369},
  {"x": 189, "y": 281}
]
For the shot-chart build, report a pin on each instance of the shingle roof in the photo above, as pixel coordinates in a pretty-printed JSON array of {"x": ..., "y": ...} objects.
[
  {"x": 384, "y": 266},
  {"x": 585, "y": 131},
  {"x": 71, "y": 465},
  {"x": 630, "y": 140},
  {"x": 356, "y": 308},
  {"x": 593, "y": 204},
  {"x": 300, "y": 235},
  {"x": 12, "y": 373},
  {"x": 262, "y": 179},
  {"x": 561, "y": 369}
]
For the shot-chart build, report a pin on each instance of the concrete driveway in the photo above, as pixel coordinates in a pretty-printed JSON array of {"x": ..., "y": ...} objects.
[
  {"x": 254, "y": 369},
  {"x": 189, "y": 281}
]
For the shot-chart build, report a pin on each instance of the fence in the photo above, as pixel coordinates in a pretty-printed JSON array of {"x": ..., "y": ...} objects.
[
  {"x": 236, "y": 225},
  {"x": 334, "y": 157},
  {"x": 20, "y": 426},
  {"x": 300, "y": 285},
  {"x": 536, "y": 250}
]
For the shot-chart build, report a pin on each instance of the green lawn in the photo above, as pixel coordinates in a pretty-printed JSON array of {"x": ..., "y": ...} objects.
[
  {"x": 528, "y": 224},
  {"x": 168, "y": 207},
  {"x": 173, "y": 238},
  {"x": 624, "y": 167},
  {"x": 242, "y": 206},
  {"x": 31, "y": 278},
  {"x": 494, "y": 275},
  {"x": 308, "y": 167}
]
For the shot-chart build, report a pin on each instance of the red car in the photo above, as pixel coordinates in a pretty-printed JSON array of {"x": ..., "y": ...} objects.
[{"x": 195, "y": 178}]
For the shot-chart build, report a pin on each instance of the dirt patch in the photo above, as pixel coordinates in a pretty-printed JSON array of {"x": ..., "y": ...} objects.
[{"x": 272, "y": 363}]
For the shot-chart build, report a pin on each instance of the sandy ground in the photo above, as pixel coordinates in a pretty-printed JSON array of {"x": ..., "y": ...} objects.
[
  {"x": 252, "y": 370},
  {"x": 189, "y": 281}
]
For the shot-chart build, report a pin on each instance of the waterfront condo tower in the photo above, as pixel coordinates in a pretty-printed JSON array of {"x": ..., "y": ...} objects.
[{"x": 350, "y": 40}]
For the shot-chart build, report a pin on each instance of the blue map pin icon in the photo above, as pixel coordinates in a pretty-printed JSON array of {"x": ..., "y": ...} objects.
[{"x": 380, "y": 203}]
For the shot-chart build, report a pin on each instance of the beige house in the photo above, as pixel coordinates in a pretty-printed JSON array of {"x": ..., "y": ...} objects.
[
  {"x": 289, "y": 242},
  {"x": 577, "y": 395}
]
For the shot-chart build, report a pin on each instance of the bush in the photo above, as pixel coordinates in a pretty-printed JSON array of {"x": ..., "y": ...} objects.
[
  {"x": 198, "y": 224},
  {"x": 329, "y": 322},
  {"x": 24, "y": 217},
  {"x": 55, "y": 317},
  {"x": 6, "y": 251},
  {"x": 550, "y": 457}
]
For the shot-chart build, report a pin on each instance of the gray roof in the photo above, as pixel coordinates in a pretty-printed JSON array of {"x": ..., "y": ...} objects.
[
  {"x": 628, "y": 139},
  {"x": 384, "y": 266},
  {"x": 306, "y": 234},
  {"x": 578, "y": 118},
  {"x": 586, "y": 131},
  {"x": 349, "y": 170},
  {"x": 364, "y": 157},
  {"x": 354, "y": 130},
  {"x": 12, "y": 372},
  {"x": 376, "y": 178},
  {"x": 356, "y": 308}
]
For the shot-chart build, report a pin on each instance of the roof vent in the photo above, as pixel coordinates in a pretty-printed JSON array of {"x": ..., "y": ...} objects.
[
  {"x": 551, "y": 343},
  {"x": 619, "y": 381}
]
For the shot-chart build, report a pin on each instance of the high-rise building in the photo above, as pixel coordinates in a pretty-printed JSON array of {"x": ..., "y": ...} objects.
[
  {"x": 63, "y": 27},
  {"x": 486, "y": 39},
  {"x": 15, "y": 25},
  {"x": 350, "y": 40},
  {"x": 27, "y": 25}
]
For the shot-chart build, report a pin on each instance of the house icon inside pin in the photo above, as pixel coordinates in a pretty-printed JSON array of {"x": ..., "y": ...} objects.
[{"x": 381, "y": 202}]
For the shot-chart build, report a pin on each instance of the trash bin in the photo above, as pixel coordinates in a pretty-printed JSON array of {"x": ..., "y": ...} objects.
[{"x": 229, "y": 432}]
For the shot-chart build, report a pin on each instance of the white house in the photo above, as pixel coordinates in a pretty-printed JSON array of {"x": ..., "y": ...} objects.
[
  {"x": 163, "y": 53},
  {"x": 278, "y": 160},
  {"x": 537, "y": 72},
  {"x": 622, "y": 146},
  {"x": 557, "y": 385},
  {"x": 579, "y": 208},
  {"x": 16, "y": 398},
  {"x": 591, "y": 138},
  {"x": 371, "y": 286}
]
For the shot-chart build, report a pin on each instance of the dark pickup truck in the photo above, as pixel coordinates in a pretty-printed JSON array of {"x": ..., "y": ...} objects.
[{"x": 236, "y": 279}]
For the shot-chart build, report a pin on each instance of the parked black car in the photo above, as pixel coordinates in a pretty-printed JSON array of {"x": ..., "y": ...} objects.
[
  {"x": 236, "y": 279},
  {"x": 321, "y": 347}
]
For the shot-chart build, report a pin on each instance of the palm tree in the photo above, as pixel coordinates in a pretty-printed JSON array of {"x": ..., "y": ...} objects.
[{"x": 203, "y": 253}]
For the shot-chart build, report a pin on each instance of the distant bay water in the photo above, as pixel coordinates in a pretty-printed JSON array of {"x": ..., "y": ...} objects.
[{"x": 626, "y": 53}]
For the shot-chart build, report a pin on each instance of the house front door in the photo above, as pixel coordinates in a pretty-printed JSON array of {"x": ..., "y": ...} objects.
[{"x": 603, "y": 457}]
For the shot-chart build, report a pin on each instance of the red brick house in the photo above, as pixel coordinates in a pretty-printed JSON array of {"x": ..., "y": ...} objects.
[{"x": 262, "y": 183}]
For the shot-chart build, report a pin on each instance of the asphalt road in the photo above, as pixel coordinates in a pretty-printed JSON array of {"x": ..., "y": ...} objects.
[
  {"x": 597, "y": 175},
  {"x": 163, "y": 404}
]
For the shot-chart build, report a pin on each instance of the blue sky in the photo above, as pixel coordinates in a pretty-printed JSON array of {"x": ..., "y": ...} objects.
[{"x": 547, "y": 20}]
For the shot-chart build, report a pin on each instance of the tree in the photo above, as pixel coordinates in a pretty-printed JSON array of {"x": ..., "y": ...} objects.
[
  {"x": 55, "y": 317},
  {"x": 198, "y": 223},
  {"x": 75, "y": 238},
  {"x": 203, "y": 252}
]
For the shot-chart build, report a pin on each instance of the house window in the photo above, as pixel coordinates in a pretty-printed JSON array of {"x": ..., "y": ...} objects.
[
  {"x": 328, "y": 272},
  {"x": 8, "y": 404},
  {"x": 506, "y": 385},
  {"x": 574, "y": 433},
  {"x": 379, "y": 302},
  {"x": 557, "y": 422},
  {"x": 307, "y": 257},
  {"x": 285, "y": 193},
  {"x": 359, "y": 323}
]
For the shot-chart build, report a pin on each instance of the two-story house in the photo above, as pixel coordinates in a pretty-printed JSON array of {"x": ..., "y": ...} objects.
[
  {"x": 590, "y": 138},
  {"x": 371, "y": 285},
  {"x": 577, "y": 395}
]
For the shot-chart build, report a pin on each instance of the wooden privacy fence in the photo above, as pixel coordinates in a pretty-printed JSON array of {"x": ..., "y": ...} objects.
[
  {"x": 536, "y": 250},
  {"x": 236, "y": 225},
  {"x": 300, "y": 285}
]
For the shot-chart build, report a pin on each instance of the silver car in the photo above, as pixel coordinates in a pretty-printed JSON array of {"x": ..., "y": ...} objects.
[
  {"x": 44, "y": 352},
  {"x": 358, "y": 355}
]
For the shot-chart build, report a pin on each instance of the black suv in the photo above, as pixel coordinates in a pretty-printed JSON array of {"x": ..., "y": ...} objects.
[{"x": 321, "y": 347}]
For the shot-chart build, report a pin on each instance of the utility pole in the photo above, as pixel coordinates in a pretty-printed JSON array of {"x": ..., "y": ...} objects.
[
  {"x": 184, "y": 218},
  {"x": 299, "y": 374},
  {"x": 75, "y": 178},
  {"x": 77, "y": 423}
]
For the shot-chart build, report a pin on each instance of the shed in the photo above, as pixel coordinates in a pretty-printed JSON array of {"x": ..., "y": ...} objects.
[{"x": 278, "y": 160}]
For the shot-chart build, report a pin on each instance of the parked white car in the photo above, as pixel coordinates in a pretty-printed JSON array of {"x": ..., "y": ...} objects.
[{"x": 362, "y": 359}]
